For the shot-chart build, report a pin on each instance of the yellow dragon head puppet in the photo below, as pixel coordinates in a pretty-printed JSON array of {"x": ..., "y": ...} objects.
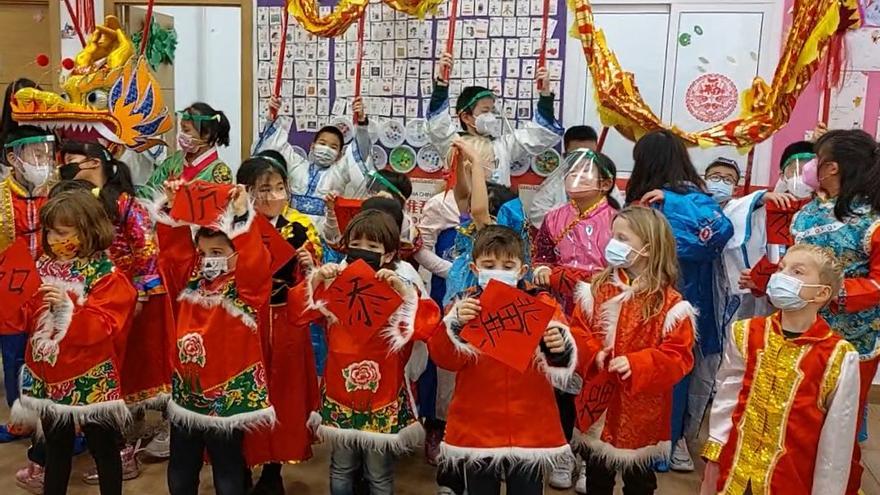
[{"x": 109, "y": 95}]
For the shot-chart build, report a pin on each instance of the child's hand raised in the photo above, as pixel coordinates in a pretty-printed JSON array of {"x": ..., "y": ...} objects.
[
  {"x": 620, "y": 365},
  {"x": 542, "y": 77},
  {"x": 274, "y": 105},
  {"x": 444, "y": 68},
  {"x": 171, "y": 187},
  {"x": 391, "y": 278},
  {"x": 54, "y": 296},
  {"x": 602, "y": 356},
  {"x": 554, "y": 341},
  {"x": 651, "y": 197},
  {"x": 541, "y": 276},
  {"x": 329, "y": 272},
  {"x": 304, "y": 259},
  {"x": 745, "y": 280},
  {"x": 240, "y": 200},
  {"x": 357, "y": 108},
  {"x": 467, "y": 310},
  {"x": 781, "y": 200}
]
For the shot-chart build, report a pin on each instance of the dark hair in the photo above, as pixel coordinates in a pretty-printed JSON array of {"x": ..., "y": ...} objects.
[
  {"x": 498, "y": 195},
  {"x": 275, "y": 157},
  {"x": 661, "y": 161},
  {"x": 209, "y": 233},
  {"x": 20, "y": 132},
  {"x": 373, "y": 225},
  {"x": 398, "y": 180},
  {"x": 858, "y": 158},
  {"x": 331, "y": 129},
  {"x": 6, "y": 122},
  {"x": 500, "y": 241},
  {"x": 70, "y": 185},
  {"x": 465, "y": 103},
  {"x": 608, "y": 171},
  {"x": 79, "y": 209},
  {"x": 387, "y": 205},
  {"x": 116, "y": 173},
  {"x": 726, "y": 163},
  {"x": 579, "y": 133},
  {"x": 213, "y": 131},
  {"x": 794, "y": 148},
  {"x": 255, "y": 167}
]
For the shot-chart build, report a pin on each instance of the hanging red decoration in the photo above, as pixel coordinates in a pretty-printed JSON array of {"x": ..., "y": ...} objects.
[
  {"x": 42, "y": 60},
  {"x": 67, "y": 63}
]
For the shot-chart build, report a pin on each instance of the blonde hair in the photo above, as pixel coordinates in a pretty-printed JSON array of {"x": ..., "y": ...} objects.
[
  {"x": 830, "y": 267},
  {"x": 661, "y": 271},
  {"x": 482, "y": 146}
]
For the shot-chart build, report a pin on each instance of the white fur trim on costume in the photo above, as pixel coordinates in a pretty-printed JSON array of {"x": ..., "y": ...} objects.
[
  {"x": 398, "y": 443},
  {"x": 401, "y": 324},
  {"x": 157, "y": 403},
  {"x": 312, "y": 279},
  {"x": 496, "y": 458},
  {"x": 214, "y": 300},
  {"x": 254, "y": 420},
  {"x": 609, "y": 314},
  {"x": 560, "y": 377},
  {"x": 677, "y": 313},
  {"x": 227, "y": 224},
  {"x": 29, "y": 410},
  {"x": 583, "y": 296},
  {"x": 458, "y": 343},
  {"x": 155, "y": 205},
  {"x": 617, "y": 458}
]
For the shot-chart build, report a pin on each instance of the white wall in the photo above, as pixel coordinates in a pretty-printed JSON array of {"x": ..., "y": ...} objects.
[{"x": 207, "y": 65}]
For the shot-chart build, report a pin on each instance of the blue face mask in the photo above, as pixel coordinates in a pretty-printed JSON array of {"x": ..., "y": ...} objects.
[
  {"x": 617, "y": 254},
  {"x": 508, "y": 277},
  {"x": 719, "y": 191}
]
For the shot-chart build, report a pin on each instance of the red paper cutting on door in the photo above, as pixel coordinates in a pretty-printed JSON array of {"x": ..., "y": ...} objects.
[
  {"x": 346, "y": 209},
  {"x": 19, "y": 279},
  {"x": 360, "y": 301},
  {"x": 279, "y": 249},
  {"x": 201, "y": 203},
  {"x": 509, "y": 326}
]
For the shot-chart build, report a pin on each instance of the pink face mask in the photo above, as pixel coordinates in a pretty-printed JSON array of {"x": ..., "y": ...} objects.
[{"x": 810, "y": 173}]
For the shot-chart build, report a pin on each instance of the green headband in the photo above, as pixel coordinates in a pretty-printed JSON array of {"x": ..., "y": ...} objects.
[
  {"x": 382, "y": 180},
  {"x": 593, "y": 156},
  {"x": 799, "y": 156},
  {"x": 273, "y": 161},
  {"x": 477, "y": 97},
  {"x": 31, "y": 140},
  {"x": 198, "y": 118}
]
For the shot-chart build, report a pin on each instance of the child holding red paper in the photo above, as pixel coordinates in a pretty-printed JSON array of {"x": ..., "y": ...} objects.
[
  {"x": 287, "y": 349},
  {"x": 367, "y": 410},
  {"x": 508, "y": 434},
  {"x": 77, "y": 326},
  {"x": 219, "y": 383},
  {"x": 640, "y": 334}
]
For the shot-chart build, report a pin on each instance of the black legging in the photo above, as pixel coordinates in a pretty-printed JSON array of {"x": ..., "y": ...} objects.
[
  {"x": 104, "y": 443},
  {"x": 187, "y": 457},
  {"x": 636, "y": 480},
  {"x": 486, "y": 480},
  {"x": 567, "y": 413}
]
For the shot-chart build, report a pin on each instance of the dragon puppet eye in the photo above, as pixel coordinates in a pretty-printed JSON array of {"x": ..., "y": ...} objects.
[
  {"x": 97, "y": 98},
  {"x": 65, "y": 96}
]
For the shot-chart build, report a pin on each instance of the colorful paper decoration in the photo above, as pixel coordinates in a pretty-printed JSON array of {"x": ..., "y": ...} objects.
[
  {"x": 361, "y": 302},
  {"x": 510, "y": 325},
  {"x": 19, "y": 279},
  {"x": 346, "y": 209},
  {"x": 201, "y": 203}
]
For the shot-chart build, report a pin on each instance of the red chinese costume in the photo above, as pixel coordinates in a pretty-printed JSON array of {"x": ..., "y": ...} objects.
[
  {"x": 219, "y": 378},
  {"x": 146, "y": 369},
  {"x": 784, "y": 415},
  {"x": 366, "y": 399},
  {"x": 20, "y": 216},
  {"x": 498, "y": 414},
  {"x": 634, "y": 430},
  {"x": 71, "y": 369},
  {"x": 288, "y": 354}
]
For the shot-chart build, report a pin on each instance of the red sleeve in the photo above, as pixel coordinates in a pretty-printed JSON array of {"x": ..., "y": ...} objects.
[
  {"x": 253, "y": 275},
  {"x": 427, "y": 320},
  {"x": 21, "y": 321},
  {"x": 298, "y": 311},
  {"x": 588, "y": 343},
  {"x": 107, "y": 311},
  {"x": 177, "y": 253},
  {"x": 658, "y": 369},
  {"x": 860, "y": 293},
  {"x": 443, "y": 352}
]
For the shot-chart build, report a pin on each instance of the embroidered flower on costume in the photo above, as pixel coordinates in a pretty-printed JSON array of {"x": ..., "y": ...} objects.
[
  {"x": 362, "y": 376},
  {"x": 706, "y": 234},
  {"x": 191, "y": 349},
  {"x": 45, "y": 350},
  {"x": 259, "y": 376},
  {"x": 58, "y": 391}
]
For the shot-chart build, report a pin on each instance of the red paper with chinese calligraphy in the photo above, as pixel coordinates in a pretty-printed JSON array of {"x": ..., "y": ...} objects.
[
  {"x": 19, "y": 279},
  {"x": 509, "y": 326},
  {"x": 760, "y": 274},
  {"x": 594, "y": 398},
  {"x": 361, "y": 302},
  {"x": 201, "y": 203},
  {"x": 779, "y": 223},
  {"x": 346, "y": 209},
  {"x": 279, "y": 249},
  {"x": 564, "y": 279}
]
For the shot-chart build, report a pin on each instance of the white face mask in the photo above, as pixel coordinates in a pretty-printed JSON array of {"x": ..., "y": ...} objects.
[
  {"x": 488, "y": 124},
  {"x": 797, "y": 187},
  {"x": 617, "y": 254},
  {"x": 323, "y": 155},
  {"x": 719, "y": 190},
  {"x": 214, "y": 266},
  {"x": 36, "y": 175},
  {"x": 508, "y": 277},
  {"x": 784, "y": 292}
]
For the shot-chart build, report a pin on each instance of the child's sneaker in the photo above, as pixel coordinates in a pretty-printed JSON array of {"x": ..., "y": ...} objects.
[
  {"x": 11, "y": 433},
  {"x": 30, "y": 478},
  {"x": 131, "y": 468},
  {"x": 681, "y": 458},
  {"x": 561, "y": 476},
  {"x": 160, "y": 446},
  {"x": 580, "y": 487}
]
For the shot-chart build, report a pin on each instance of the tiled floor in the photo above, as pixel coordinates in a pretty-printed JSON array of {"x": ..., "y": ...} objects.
[{"x": 414, "y": 477}]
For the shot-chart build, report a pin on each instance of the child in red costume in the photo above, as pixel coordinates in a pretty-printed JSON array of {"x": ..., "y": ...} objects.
[
  {"x": 287, "y": 349},
  {"x": 219, "y": 384},
  {"x": 83, "y": 310},
  {"x": 640, "y": 335},
  {"x": 367, "y": 410},
  {"x": 495, "y": 423}
]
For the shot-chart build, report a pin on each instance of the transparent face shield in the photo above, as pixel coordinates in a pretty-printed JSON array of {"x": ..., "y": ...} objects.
[
  {"x": 582, "y": 174},
  {"x": 792, "y": 178},
  {"x": 375, "y": 184},
  {"x": 33, "y": 158}
]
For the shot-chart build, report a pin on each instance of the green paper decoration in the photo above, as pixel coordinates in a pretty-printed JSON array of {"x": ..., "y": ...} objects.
[
  {"x": 684, "y": 39},
  {"x": 161, "y": 45}
]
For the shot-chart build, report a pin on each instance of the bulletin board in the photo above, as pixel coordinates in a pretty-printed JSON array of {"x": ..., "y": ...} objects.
[{"x": 496, "y": 45}]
